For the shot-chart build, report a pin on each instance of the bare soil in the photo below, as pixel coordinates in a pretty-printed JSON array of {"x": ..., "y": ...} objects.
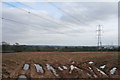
[{"x": 12, "y": 64}]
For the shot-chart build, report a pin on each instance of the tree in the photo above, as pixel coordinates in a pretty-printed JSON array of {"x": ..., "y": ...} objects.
[
  {"x": 5, "y": 47},
  {"x": 17, "y": 47},
  {"x": 5, "y": 43}
]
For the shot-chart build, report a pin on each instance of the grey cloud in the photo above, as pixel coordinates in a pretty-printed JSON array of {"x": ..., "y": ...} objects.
[
  {"x": 39, "y": 31},
  {"x": 89, "y": 12}
]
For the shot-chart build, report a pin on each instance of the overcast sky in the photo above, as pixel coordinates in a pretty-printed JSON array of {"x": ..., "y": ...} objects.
[{"x": 71, "y": 24}]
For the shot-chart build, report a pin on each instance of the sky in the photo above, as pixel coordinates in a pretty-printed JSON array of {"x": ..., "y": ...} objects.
[{"x": 59, "y": 23}]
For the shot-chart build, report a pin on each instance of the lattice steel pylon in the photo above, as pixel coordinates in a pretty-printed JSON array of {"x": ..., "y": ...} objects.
[{"x": 99, "y": 34}]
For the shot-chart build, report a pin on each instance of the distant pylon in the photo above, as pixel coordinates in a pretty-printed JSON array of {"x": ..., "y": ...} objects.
[{"x": 99, "y": 32}]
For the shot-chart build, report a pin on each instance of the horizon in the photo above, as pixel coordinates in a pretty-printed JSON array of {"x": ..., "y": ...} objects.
[{"x": 63, "y": 45}]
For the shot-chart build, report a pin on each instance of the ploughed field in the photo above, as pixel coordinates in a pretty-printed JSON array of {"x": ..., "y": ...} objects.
[{"x": 60, "y": 65}]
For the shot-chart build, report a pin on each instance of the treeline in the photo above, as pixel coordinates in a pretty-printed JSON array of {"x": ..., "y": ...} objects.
[{"x": 6, "y": 47}]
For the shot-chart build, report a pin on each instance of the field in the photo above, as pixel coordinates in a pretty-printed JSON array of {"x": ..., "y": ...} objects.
[{"x": 60, "y": 65}]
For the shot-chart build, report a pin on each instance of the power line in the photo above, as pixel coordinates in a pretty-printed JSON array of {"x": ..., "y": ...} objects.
[
  {"x": 85, "y": 15},
  {"x": 27, "y": 24},
  {"x": 45, "y": 18},
  {"x": 66, "y": 12},
  {"x": 12, "y": 20},
  {"x": 32, "y": 26},
  {"x": 60, "y": 9},
  {"x": 16, "y": 7},
  {"x": 25, "y": 5},
  {"x": 29, "y": 12}
]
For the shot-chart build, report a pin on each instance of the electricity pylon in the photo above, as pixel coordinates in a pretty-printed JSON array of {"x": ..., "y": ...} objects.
[{"x": 99, "y": 32}]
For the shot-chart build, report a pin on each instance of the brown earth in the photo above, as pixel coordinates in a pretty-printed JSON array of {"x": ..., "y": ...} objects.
[{"x": 12, "y": 64}]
